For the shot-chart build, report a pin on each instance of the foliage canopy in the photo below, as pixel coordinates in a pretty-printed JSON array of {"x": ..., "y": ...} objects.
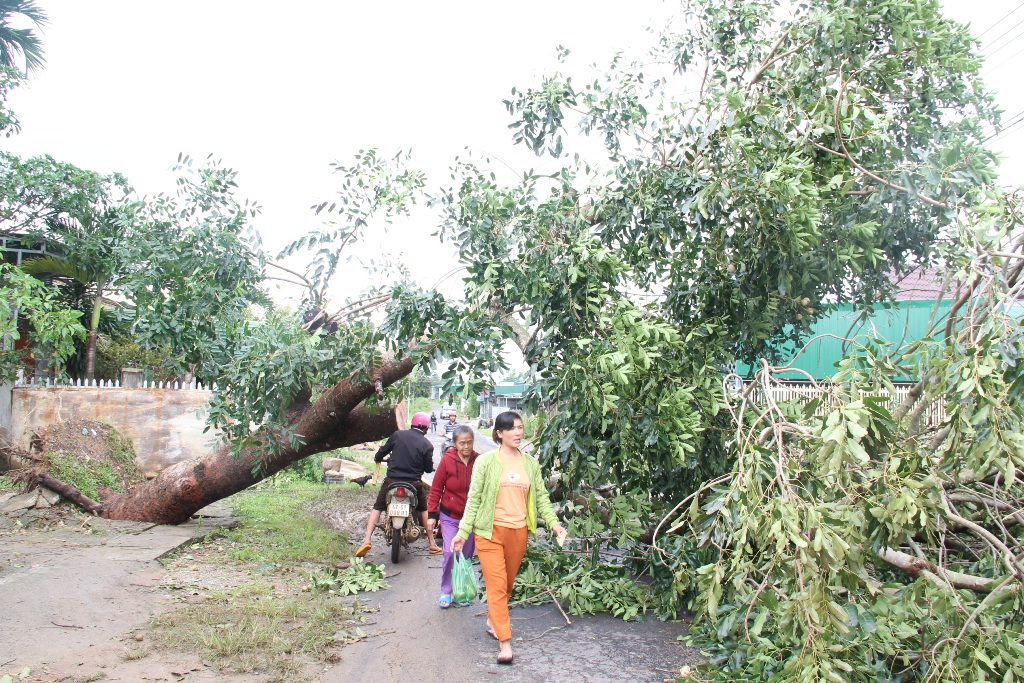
[{"x": 766, "y": 162}]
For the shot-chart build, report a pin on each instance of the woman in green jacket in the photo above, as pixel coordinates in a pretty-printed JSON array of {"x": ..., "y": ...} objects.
[{"x": 505, "y": 496}]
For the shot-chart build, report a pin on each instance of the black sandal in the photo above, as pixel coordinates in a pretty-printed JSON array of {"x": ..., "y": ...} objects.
[{"x": 502, "y": 659}]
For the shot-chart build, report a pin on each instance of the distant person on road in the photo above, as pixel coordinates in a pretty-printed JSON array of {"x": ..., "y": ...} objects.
[
  {"x": 505, "y": 497},
  {"x": 447, "y": 502},
  {"x": 433, "y": 423},
  {"x": 449, "y": 428},
  {"x": 411, "y": 455}
]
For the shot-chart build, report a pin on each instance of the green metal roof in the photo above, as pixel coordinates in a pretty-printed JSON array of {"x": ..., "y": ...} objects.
[
  {"x": 509, "y": 389},
  {"x": 903, "y": 322}
]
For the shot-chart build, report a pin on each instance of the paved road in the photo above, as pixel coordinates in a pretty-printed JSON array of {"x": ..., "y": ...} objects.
[
  {"x": 420, "y": 643},
  {"x": 482, "y": 445}
]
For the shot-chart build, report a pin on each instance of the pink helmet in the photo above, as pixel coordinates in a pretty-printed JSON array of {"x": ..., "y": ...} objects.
[{"x": 421, "y": 420}]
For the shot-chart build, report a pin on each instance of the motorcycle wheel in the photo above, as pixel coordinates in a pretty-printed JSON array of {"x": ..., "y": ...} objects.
[{"x": 396, "y": 544}]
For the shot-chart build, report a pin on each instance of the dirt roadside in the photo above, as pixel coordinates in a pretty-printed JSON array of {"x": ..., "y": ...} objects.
[{"x": 70, "y": 597}]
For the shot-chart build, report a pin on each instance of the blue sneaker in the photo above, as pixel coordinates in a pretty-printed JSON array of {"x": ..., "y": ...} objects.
[{"x": 444, "y": 602}]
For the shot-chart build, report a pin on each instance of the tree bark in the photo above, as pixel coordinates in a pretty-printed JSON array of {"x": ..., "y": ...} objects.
[
  {"x": 94, "y": 324},
  {"x": 337, "y": 419},
  {"x": 916, "y": 567},
  {"x": 90, "y": 355}
]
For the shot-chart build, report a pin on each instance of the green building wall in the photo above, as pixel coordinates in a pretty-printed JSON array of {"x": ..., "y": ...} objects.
[{"x": 903, "y": 322}]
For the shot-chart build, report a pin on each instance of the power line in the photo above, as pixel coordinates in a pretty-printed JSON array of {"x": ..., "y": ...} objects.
[
  {"x": 1014, "y": 10},
  {"x": 1005, "y": 61},
  {"x": 1010, "y": 134},
  {"x": 1014, "y": 118},
  {"x": 996, "y": 40},
  {"x": 1006, "y": 131},
  {"x": 1007, "y": 43},
  {"x": 1016, "y": 121}
]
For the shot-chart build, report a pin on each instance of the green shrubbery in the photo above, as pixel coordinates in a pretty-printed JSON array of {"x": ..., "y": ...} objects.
[
  {"x": 118, "y": 351},
  {"x": 308, "y": 470},
  {"x": 420, "y": 405}
]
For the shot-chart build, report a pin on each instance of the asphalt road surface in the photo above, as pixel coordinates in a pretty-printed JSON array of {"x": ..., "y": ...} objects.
[
  {"x": 482, "y": 445},
  {"x": 414, "y": 641}
]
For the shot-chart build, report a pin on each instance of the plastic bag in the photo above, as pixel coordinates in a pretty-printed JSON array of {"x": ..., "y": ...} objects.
[{"x": 464, "y": 588}]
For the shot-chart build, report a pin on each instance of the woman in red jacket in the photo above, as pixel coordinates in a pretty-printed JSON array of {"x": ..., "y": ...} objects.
[{"x": 447, "y": 502}]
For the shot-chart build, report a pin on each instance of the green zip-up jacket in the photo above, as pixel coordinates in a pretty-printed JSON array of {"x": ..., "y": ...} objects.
[{"x": 483, "y": 495}]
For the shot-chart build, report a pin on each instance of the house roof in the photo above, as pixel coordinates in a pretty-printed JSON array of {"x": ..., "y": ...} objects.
[
  {"x": 509, "y": 389},
  {"x": 920, "y": 285}
]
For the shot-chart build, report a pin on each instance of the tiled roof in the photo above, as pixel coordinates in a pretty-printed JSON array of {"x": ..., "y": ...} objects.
[{"x": 921, "y": 285}]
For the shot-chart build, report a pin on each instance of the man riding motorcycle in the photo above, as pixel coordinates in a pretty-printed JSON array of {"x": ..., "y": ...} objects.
[
  {"x": 411, "y": 455},
  {"x": 449, "y": 432}
]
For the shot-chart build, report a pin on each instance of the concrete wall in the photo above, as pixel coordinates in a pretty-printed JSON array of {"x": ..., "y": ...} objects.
[{"x": 165, "y": 425}]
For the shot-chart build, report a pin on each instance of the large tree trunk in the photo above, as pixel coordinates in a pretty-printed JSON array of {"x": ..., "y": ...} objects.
[{"x": 337, "y": 419}]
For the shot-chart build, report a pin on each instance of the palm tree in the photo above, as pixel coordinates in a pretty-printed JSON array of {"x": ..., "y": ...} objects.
[
  {"x": 93, "y": 279},
  {"x": 23, "y": 42}
]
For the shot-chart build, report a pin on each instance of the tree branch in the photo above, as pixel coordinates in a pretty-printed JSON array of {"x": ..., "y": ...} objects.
[
  {"x": 69, "y": 492},
  {"x": 768, "y": 60},
  {"x": 986, "y": 535},
  {"x": 918, "y": 568}
]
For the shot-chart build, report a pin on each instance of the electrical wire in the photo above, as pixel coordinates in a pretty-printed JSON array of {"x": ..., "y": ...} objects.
[
  {"x": 1007, "y": 16},
  {"x": 996, "y": 40},
  {"x": 1009, "y": 134},
  {"x": 1014, "y": 122},
  {"x": 1005, "y": 61},
  {"x": 1008, "y": 43}
]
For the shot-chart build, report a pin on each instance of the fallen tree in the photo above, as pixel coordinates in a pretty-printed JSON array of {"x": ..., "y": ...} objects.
[
  {"x": 337, "y": 419},
  {"x": 194, "y": 275},
  {"x": 820, "y": 153}
]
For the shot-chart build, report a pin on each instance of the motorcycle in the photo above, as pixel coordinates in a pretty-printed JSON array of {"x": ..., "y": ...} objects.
[{"x": 398, "y": 521}]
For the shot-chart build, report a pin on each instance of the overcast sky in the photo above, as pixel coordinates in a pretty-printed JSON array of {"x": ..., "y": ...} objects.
[{"x": 280, "y": 91}]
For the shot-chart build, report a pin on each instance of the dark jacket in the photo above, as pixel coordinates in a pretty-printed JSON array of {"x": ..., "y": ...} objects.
[
  {"x": 411, "y": 455},
  {"x": 451, "y": 485}
]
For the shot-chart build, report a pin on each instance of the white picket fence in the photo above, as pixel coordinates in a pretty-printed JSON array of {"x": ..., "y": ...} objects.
[
  {"x": 79, "y": 383},
  {"x": 934, "y": 414}
]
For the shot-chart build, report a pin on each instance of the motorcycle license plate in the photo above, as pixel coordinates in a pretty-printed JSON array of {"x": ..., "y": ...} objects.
[{"x": 398, "y": 509}]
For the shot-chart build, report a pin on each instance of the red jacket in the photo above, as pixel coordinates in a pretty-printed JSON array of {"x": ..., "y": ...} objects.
[{"x": 450, "y": 487}]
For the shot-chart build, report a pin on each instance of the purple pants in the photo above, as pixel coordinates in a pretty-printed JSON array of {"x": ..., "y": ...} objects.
[{"x": 449, "y": 529}]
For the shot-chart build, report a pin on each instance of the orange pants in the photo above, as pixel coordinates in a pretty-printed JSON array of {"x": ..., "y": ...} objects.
[{"x": 500, "y": 558}]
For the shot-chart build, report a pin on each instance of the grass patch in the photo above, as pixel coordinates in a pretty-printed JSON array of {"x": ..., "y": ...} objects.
[
  {"x": 278, "y": 624},
  {"x": 86, "y": 476},
  {"x": 254, "y": 631},
  {"x": 90, "y": 455},
  {"x": 420, "y": 405},
  {"x": 276, "y": 528},
  {"x": 8, "y": 484}
]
